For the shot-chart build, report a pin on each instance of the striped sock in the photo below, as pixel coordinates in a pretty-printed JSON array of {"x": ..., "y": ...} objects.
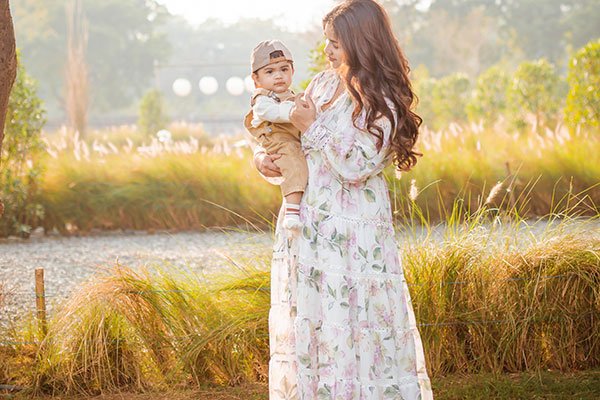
[{"x": 292, "y": 209}]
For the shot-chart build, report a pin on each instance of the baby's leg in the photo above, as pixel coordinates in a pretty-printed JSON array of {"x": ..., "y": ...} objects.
[
  {"x": 293, "y": 198},
  {"x": 292, "y": 211},
  {"x": 294, "y": 170}
]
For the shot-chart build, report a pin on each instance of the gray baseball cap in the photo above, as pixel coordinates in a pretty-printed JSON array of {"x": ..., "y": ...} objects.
[{"x": 269, "y": 52}]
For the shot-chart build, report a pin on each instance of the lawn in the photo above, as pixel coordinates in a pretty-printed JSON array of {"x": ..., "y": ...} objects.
[{"x": 581, "y": 385}]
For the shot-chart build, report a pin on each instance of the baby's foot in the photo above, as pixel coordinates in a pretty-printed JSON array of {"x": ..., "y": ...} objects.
[{"x": 292, "y": 225}]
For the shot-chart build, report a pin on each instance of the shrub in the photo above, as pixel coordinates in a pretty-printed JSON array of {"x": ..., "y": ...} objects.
[
  {"x": 450, "y": 96},
  {"x": 152, "y": 113},
  {"x": 536, "y": 93},
  {"x": 318, "y": 62},
  {"x": 423, "y": 86},
  {"x": 21, "y": 161},
  {"x": 583, "y": 100},
  {"x": 489, "y": 97}
]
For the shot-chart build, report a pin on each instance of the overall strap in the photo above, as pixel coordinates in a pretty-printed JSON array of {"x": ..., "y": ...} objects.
[{"x": 263, "y": 92}]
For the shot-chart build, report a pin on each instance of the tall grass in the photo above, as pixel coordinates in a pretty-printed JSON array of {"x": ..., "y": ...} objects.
[
  {"x": 186, "y": 185},
  {"x": 122, "y": 138},
  {"x": 503, "y": 296},
  {"x": 538, "y": 173},
  {"x": 509, "y": 301},
  {"x": 184, "y": 191},
  {"x": 155, "y": 328}
]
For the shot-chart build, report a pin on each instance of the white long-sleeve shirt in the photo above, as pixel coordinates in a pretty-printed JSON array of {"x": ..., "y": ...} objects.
[{"x": 268, "y": 109}]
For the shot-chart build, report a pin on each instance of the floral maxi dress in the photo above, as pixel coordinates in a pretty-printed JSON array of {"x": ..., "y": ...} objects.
[{"x": 341, "y": 322}]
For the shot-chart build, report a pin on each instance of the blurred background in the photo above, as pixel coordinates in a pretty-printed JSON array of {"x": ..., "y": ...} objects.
[
  {"x": 126, "y": 48},
  {"x": 127, "y": 114}
]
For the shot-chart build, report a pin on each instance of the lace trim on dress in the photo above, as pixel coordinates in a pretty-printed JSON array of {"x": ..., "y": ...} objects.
[
  {"x": 303, "y": 262},
  {"x": 283, "y": 357},
  {"x": 349, "y": 328},
  {"x": 403, "y": 381},
  {"x": 374, "y": 221},
  {"x": 316, "y": 138}
]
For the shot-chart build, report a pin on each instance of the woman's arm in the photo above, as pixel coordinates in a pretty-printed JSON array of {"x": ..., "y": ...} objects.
[{"x": 350, "y": 153}]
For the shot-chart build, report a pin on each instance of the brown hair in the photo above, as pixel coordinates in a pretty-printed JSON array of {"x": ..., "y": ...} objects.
[{"x": 376, "y": 68}]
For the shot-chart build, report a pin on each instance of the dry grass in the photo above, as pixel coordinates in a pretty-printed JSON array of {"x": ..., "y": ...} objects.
[
  {"x": 184, "y": 184},
  {"x": 581, "y": 385},
  {"x": 509, "y": 296},
  {"x": 245, "y": 392}
]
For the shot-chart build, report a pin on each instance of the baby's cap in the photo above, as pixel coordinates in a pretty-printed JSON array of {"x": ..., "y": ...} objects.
[{"x": 268, "y": 52}]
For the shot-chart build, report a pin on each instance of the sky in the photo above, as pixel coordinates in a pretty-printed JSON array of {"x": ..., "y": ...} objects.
[{"x": 295, "y": 15}]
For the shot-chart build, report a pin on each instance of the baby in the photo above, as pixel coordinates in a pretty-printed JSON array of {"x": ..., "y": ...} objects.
[{"x": 269, "y": 122}]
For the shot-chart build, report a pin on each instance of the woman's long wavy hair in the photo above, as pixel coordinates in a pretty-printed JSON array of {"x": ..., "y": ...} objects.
[{"x": 377, "y": 68}]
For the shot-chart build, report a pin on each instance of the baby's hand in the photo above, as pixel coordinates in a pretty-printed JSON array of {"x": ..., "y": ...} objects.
[
  {"x": 301, "y": 100},
  {"x": 303, "y": 113}
]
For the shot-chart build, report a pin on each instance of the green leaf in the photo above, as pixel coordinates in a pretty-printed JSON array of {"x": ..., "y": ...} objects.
[
  {"x": 324, "y": 392},
  {"x": 391, "y": 391},
  {"x": 370, "y": 195},
  {"x": 331, "y": 291},
  {"x": 363, "y": 252},
  {"x": 325, "y": 206},
  {"x": 306, "y": 232},
  {"x": 344, "y": 291},
  {"x": 350, "y": 341},
  {"x": 377, "y": 253},
  {"x": 304, "y": 359}
]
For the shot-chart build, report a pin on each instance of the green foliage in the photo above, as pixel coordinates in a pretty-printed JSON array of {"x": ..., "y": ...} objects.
[
  {"x": 21, "y": 161},
  {"x": 423, "y": 88},
  {"x": 450, "y": 96},
  {"x": 581, "y": 22},
  {"x": 537, "y": 29},
  {"x": 583, "y": 101},
  {"x": 124, "y": 39},
  {"x": 126, "y": 36},
  {"x": 489, "y": 97},
  {"x": 152, "y": 116},
  {"x": 535, "y": 94},
  {"x": 318, "y": 63}
]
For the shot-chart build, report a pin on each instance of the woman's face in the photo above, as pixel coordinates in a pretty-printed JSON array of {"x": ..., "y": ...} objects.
[{"x": 333, "y": 48}]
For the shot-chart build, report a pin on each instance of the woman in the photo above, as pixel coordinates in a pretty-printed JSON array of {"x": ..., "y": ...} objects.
[{"x": 341, "y": 321}]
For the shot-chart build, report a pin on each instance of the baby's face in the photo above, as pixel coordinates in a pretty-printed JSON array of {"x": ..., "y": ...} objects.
[{"x": 276, "y": 77}]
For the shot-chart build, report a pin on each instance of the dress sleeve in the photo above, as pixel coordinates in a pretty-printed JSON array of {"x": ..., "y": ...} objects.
[
  {"x": 268, "y": 109},
  {"x": 350, "y": 153},
  {"x": 313, "y": 82}
]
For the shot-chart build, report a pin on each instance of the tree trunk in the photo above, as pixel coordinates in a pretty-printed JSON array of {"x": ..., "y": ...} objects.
[{"x": 8, "y": 67}]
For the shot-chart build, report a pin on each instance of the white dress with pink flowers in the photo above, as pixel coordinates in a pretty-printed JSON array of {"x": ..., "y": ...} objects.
[{"x": 341, "y": 323}]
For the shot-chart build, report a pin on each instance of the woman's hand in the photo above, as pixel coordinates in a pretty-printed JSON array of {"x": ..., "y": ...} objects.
[
  {"x": 265, "y": 164},
  {"x": 303, "y": 113}
]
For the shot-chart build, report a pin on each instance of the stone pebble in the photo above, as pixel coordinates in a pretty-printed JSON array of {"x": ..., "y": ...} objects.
[{"x": 70, "y": 261}]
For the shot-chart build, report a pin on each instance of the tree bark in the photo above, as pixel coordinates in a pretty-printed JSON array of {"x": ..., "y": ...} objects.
[{"x": 8, "y": 67}]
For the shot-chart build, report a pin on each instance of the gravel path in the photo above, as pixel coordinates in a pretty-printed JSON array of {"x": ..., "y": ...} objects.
[{"x": 68, "y": 261}]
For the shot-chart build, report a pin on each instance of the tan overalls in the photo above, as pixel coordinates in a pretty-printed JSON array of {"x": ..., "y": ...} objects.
[{"x": 284, "y": 139}]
